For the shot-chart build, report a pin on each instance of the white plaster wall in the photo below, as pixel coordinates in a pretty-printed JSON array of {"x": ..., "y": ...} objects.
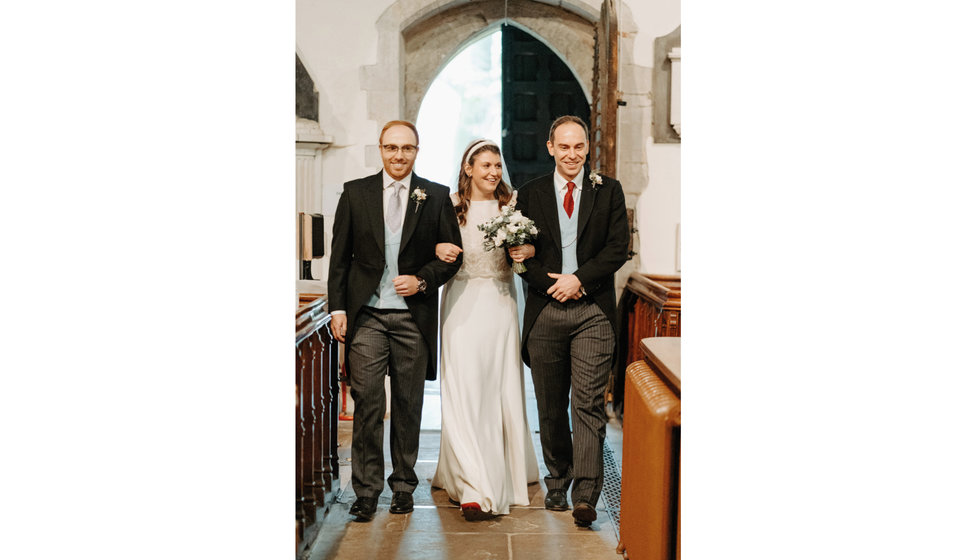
[
  {"x": 658, "y": 210},
  {"x": 658, "y": 207},
  {"x": 334, "y": 39}
]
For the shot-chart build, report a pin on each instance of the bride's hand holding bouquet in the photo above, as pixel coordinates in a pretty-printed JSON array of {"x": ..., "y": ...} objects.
[{"x": 509, "y": 229}]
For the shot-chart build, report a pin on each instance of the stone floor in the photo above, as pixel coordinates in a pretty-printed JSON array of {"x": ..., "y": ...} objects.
[{"x": 437, "y": 530}]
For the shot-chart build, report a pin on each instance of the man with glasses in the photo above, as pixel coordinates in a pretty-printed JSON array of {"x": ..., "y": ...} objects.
[{"x": 383, "y": 298}]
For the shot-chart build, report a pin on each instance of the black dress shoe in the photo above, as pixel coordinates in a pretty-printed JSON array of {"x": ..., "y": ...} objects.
[
  {"x": 364, "y": 508},
  {"x": 584, "y": 514},
  {"x": 402, "y": 502},
  {"x": 556, "y": 500}
]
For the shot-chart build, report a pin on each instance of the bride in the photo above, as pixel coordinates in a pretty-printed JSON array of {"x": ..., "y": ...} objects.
[{"x": 486, "y": 458}]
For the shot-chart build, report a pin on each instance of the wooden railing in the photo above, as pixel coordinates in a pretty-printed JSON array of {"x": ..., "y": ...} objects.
[
  {"x": 317, "y": 409},
  {"x": 650, "y": 306}
]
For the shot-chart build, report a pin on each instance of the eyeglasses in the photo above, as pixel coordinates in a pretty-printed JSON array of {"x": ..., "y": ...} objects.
[{"x": 390, "y": 149}]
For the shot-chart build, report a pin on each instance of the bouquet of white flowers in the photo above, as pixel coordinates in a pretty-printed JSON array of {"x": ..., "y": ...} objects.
[{"x": 509, "y": 229}]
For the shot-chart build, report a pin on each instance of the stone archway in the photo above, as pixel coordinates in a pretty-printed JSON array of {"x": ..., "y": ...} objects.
[
  {"x": 417, "y": 38},
  {"x": 431, "y": 42}
]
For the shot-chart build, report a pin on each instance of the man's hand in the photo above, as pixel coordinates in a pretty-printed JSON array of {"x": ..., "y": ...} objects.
[
  {"x": 406, "y": 285},
  {"x": 338, "y": 326},
  {"x": 447, "y": 252},
  {"x": 520, "y": 253},
  {"x": 566, "y": 287}
]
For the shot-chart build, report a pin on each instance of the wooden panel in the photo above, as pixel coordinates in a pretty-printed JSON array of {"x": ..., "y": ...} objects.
[
  {"x": 525, "y": 108},
  {"x": 317, "y": 386},
  {"x": 300, "y": 440},
  {"x": 331, "y": 450},
  {"x": 663, "y": 354},
  {"x": 650, "y": 306},
  {"x": 537, "y": 87},
  {"x": 605, "y": 90},
  {"x": 309, "y": 433},
  {"x": 651, "y": 459},
  {"x": 319, "y": 419}
]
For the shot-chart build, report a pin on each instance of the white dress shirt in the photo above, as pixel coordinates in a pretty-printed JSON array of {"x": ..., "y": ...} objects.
[{"x": 561, "y": 186}]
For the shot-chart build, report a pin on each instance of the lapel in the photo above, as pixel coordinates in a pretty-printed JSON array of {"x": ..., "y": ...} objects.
[
  {"x": 373, "y": 201},
  {"x": 586, "y": 201},
  {"x": 411, "y": 212},
  {"x": 549, "y": 202}
]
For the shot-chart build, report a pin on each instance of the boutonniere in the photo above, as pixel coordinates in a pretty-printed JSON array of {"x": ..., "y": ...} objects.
[
  {"x": 418, "y": 195},
  {"x": 595, "y": 178}
]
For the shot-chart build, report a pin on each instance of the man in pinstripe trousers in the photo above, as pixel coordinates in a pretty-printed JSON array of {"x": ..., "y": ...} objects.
[
  {"x": 383, "y": 299},
  {"x": 568, "y": 339}
]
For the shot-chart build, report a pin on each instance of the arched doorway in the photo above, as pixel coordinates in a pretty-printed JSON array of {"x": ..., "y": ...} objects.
[
  {"x": 462, "y": 103},
  {"x": 582, "y": 35},
  {"x": 506, "y": 85}
]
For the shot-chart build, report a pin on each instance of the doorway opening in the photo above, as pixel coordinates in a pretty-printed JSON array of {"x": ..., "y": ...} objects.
[
  {"x": 508, "y": 86},
  {"x": 463, "y": 103},
  {"x": 505, "y": 85}
]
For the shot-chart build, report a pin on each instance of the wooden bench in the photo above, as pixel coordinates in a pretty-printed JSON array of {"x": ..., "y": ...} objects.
[
  {"x": 317, "y": 409},
  {"x": 650, "y": 503}
]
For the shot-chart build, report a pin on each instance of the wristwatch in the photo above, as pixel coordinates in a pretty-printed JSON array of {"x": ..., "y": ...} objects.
[{"x": 422, "y": 284}]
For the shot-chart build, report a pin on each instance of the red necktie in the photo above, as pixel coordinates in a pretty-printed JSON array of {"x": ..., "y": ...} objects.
[{"x": 569, "y": 203}]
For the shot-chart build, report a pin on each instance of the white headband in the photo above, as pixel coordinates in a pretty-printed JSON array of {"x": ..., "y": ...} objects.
[{"x": 476, "y": 147}]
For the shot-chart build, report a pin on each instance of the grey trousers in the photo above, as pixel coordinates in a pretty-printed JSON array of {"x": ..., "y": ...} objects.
[
  {"x": 571, "y": 348},
  {"x": 386, "y": 342}
]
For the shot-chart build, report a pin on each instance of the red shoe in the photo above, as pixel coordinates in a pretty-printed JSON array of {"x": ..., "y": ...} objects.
[{"x": 472, "y": 512}]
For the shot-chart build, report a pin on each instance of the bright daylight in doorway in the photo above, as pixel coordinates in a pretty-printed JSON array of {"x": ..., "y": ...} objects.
[{"x": 463, "y": 103}]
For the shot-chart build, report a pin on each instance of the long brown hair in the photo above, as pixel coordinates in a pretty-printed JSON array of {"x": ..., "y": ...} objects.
[{"x": 465, "y": 182}]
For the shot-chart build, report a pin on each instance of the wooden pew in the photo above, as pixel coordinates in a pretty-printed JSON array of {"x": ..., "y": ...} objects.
[
  {"x": 317, "y": 458},
  {"x": 650, "y": 502},
  {"x": 649, "y": 306}
]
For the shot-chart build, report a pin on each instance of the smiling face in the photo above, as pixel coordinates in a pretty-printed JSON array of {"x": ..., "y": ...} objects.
[
  {"x": 569, "y": 147},
  {"x": 398, "y": 162},
  {"x": 485, "y": 172}
]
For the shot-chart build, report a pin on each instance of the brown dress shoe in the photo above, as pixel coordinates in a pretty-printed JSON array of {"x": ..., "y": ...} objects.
[{"x": 584, "y": 514}]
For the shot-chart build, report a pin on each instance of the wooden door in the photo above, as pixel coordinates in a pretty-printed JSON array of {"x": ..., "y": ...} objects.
[{"x": 538, "y": 87}]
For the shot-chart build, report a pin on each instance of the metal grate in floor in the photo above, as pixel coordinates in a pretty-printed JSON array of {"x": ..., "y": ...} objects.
[{"x": 611, "y": 485}]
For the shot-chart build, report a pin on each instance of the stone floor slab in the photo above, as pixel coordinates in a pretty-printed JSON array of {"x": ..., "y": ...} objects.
[
  {"x": 581, "y": 546},
  {"x": 429, "y": 545},
  {"x": 520, "y": 520}
]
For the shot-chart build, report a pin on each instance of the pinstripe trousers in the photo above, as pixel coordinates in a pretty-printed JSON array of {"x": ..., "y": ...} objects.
[
  {"x": 571, "y": 347},
  {"x": 386, "y": 343}
]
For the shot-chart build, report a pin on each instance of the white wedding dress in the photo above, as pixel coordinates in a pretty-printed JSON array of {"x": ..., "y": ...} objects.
[{"x": 485, "y": 454}]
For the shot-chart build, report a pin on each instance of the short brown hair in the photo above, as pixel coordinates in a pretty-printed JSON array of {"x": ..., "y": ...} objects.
[
  {"x": 567, "y": 119},
  {"x": 390, "y": 124}
]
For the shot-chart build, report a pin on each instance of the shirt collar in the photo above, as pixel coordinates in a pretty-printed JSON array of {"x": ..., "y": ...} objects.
[
  {"x": 560, "y": 181},
  {"x": 387, "y": 180}
]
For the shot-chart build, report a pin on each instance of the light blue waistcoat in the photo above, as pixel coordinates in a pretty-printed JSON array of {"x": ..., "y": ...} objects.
[
  {"x": 569, "y": 235},
  {"x": 384, "y": 297}
]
